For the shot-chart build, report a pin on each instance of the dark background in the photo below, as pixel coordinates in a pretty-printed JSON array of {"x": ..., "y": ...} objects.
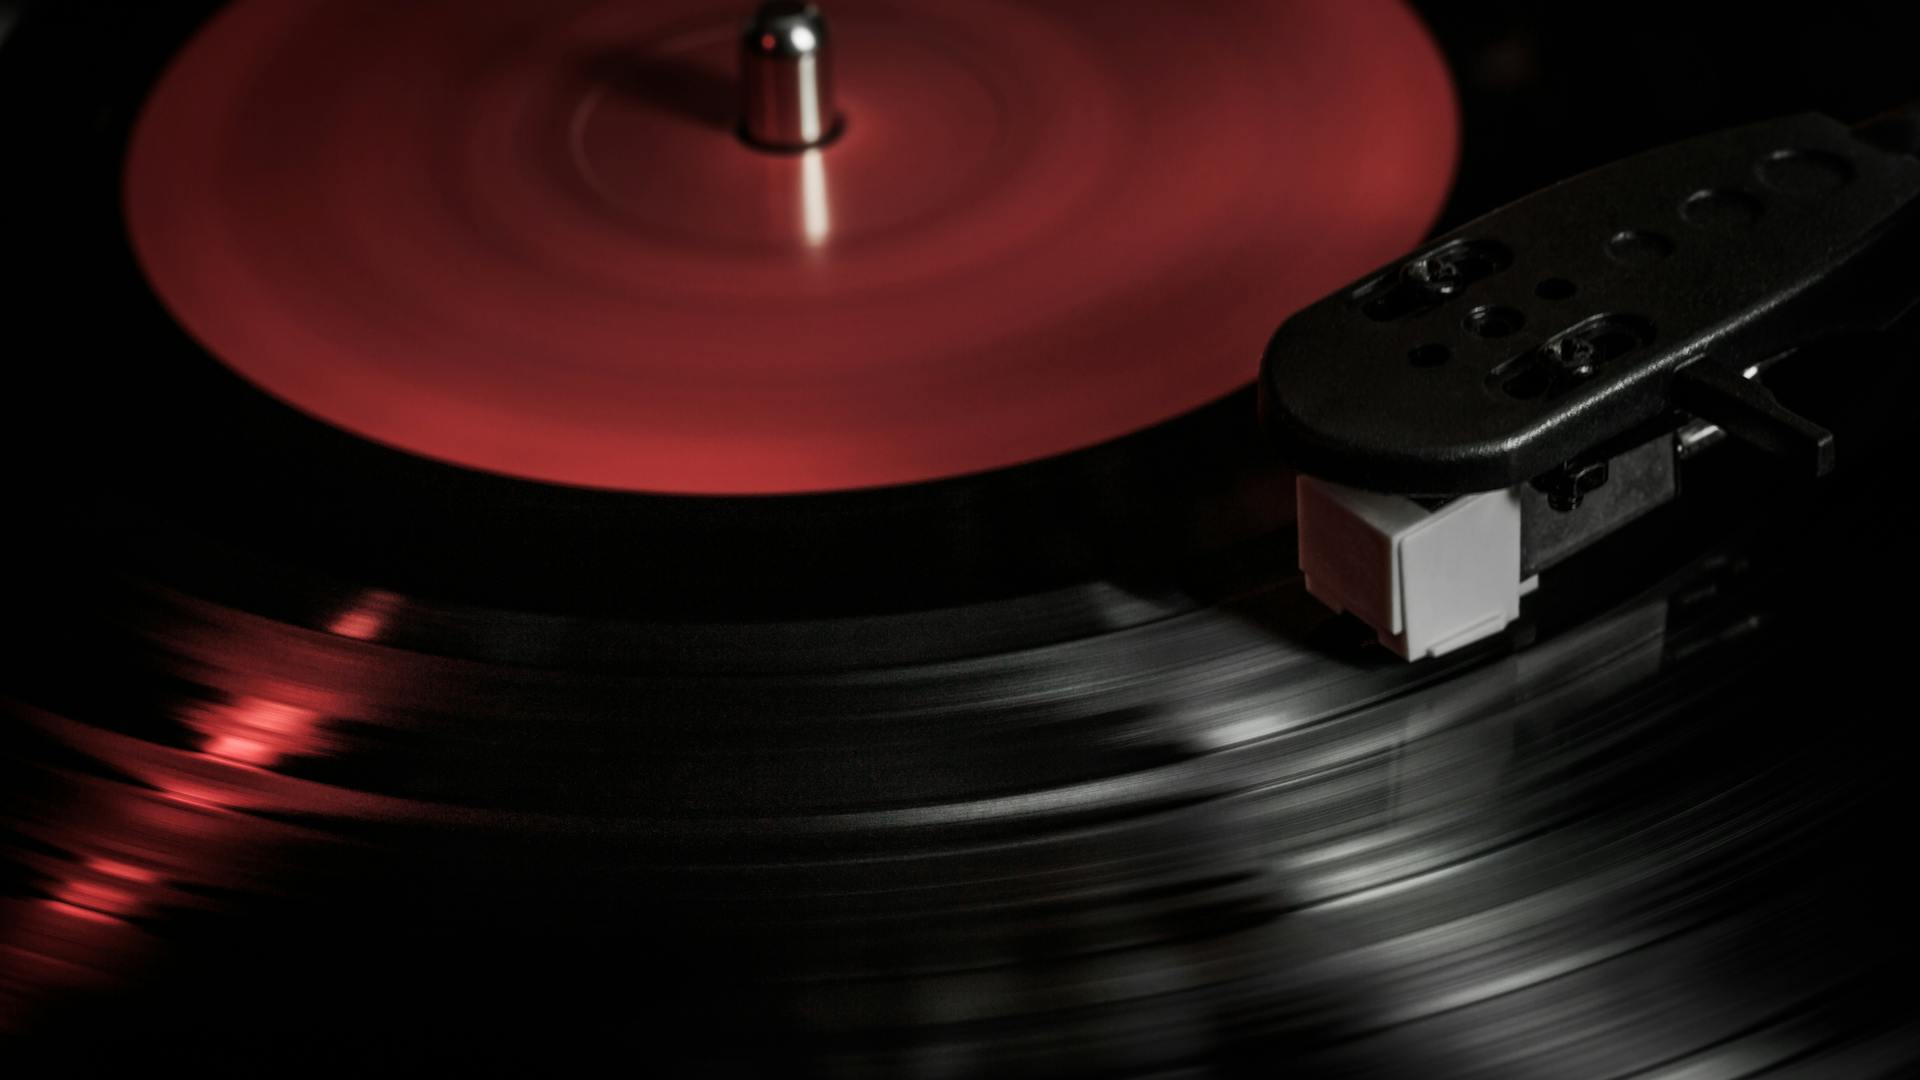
[{"x": 1551, "y": 89}]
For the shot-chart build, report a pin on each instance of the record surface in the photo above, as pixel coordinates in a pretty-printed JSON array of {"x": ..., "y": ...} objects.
[{"x": 320, "y": 755}]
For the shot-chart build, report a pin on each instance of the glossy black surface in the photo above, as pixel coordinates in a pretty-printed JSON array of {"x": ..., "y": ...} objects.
[{"x": 316, "y": 758}]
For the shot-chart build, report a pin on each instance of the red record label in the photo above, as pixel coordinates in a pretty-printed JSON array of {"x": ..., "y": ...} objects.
[{"x": 524, "y": 237}]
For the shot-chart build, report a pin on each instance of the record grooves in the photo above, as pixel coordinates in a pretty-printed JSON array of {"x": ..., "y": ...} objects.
[{"x": 321, "y": 755}]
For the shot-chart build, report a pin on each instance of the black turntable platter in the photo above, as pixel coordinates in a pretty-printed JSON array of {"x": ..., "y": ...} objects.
[{"x": 328, "y": 753}]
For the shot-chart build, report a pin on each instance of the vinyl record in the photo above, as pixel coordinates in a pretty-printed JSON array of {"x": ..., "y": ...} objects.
[
  {"x": 339, "y": 740},
  {"x": 527, "y": 238}
]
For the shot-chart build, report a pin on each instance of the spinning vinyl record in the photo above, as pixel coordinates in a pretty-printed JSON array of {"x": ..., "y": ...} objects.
[{"x": 535, "y": 552}]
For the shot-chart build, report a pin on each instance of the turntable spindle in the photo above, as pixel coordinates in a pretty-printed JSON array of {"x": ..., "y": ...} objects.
[{"x": 786, "y": 76}]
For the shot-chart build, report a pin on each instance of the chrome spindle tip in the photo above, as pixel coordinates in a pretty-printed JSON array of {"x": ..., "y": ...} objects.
[{"x": 786, "y": 76}]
